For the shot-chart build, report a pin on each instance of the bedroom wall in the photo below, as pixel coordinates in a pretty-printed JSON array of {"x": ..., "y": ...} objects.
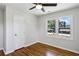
[{"x": 67, "y": 43}]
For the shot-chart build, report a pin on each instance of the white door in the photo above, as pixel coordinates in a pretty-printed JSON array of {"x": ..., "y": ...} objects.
[{"x": 19, "y": 31}]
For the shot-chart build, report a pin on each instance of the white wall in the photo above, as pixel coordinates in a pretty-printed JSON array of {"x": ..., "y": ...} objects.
[
  {"x": 30, "y": 25},
  {"x": 1, "y": 29},
  {"x": 67, "y": 43}
]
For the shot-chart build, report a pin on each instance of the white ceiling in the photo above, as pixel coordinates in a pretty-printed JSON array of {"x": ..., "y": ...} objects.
[{"x": 60, "y": 6}]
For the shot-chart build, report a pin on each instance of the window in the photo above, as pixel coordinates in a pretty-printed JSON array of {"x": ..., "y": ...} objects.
[
  {"x": 60, "y": 27},
  {"x": 64, "y": 25},
  {"x": 51, "y": 26}
]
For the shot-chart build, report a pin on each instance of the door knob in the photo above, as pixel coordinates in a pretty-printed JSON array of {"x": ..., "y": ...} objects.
[{"x": 15, "y": 34}]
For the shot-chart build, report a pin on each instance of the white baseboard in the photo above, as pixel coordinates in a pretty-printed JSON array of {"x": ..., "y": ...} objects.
[
  {"x": 26, "y": 45},
  {"x": 9, "y": 52},
  {"x": 60, "y": 47},
  {"x": 6, "y": 52}
]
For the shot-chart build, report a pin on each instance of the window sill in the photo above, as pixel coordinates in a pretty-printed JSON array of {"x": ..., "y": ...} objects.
[
  {"x": 58, "y": 36},
  {"x": 65, "y": 34}
]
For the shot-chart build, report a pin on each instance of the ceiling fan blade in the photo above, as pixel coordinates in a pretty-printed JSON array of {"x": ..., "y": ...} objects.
[
  {"x": 35, "y": 3},
  {"x": 43, "y": 9},
  {"x": 32, "y": 8},
  {"x": 49, "y": 4}
]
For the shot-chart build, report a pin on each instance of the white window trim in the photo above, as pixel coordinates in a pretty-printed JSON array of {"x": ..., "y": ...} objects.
[
  {"x": 71, "y": 28},
  {"x": 64, "y": 34}
]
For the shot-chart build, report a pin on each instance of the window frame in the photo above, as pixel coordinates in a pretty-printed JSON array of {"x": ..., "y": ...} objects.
[
  {"x": 57, "y": 33},
  {"x": 69, "y": 29},
  {"x": 55, "y": 26}
]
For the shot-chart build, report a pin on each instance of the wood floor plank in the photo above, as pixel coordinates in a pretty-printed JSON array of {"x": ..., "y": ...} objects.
[
  {"x": 40, "y": 49},
  {"x": 1, "y": 53}
]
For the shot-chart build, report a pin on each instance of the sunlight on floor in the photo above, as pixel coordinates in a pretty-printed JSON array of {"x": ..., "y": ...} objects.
[{"x": 49, "y": 53}]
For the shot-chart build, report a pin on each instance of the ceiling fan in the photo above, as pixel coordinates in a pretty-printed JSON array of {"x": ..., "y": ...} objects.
[{"x": 41, "y": 5}]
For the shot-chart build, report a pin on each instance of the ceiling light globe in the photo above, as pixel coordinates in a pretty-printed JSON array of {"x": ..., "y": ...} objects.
[{"x": 39, "y": 6}]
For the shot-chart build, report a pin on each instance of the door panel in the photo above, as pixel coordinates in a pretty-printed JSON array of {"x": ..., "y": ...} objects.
[{"x": 19, "y": 31}]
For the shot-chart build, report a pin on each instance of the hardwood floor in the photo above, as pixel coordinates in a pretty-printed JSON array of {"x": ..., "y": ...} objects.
[
  {"x": 1, "y": 53},
  {"x": 40, "y": 49}
]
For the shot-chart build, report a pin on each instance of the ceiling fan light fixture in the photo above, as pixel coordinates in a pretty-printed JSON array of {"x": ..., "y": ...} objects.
[{"x": 38, "y": 6}]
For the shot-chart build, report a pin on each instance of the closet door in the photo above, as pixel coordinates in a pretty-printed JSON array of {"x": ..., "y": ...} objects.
[{"x": 19, "y": 31}]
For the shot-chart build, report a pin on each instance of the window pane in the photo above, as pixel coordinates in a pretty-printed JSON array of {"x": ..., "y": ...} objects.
[
  {"x": 51, "y": 26},
  {"x": 64, "y": 25}
]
